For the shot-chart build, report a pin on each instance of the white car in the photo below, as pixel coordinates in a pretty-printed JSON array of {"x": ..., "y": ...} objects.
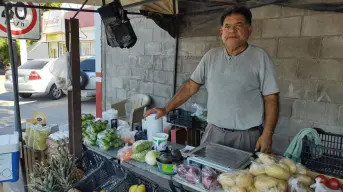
[
  {"x": 87, "y": 77},
  {"x": 34, "y": 77}
]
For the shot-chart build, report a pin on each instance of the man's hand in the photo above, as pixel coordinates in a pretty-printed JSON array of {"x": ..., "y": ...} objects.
[
  {"x": 160, "y": 112},
  {"x": 264, "y": 143}
]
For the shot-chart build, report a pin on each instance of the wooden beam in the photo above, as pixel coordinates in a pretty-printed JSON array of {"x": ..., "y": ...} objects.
[{"x": 75, "y": 96}]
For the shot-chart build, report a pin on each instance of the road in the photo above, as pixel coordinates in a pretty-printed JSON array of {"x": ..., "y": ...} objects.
[{"x": 56, "y": 110}]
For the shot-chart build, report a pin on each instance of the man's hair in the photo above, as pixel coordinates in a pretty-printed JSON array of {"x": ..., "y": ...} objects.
[{"x": 245, "y": 12}]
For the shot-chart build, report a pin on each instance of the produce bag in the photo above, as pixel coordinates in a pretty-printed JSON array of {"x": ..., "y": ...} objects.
[
  {"x": 125, "y": 153},
  {"x": 142, "y": 145},
  {"x": 320, "y": 187},
  {"x": 265, "y": 158},
  {"x": 39, "y": 135},
  {"x": 296, "y": 186},
  {"x": 209, "y": 179},
  {"x": 111, "y": 116},
  {"x": 276, "y": 171},
  {"x": 240, "y": 178},
  {"x": 90, "y": 136},
  {"x": 140, "y": 156},
  {"x": 191, "y": 173},
  {"x": 257, "y": 169},
  {"x": 107, "y": 139},
  {"x": 200, "y": 112},
  {"x": 124, "y": 130}
]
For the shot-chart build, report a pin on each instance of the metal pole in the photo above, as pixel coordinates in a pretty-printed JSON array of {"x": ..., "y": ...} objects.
[
  {"x": 17, "y": 122},
  {"x": 176, "y": 55}
]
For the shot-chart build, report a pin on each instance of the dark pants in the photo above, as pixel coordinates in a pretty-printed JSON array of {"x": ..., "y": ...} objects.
[{"x": 243, "y": 140}]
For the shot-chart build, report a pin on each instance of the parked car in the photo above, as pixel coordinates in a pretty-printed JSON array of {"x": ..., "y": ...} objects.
[
  {"x": 87, "y": 77},
  {"x": 34, "y": 77}
]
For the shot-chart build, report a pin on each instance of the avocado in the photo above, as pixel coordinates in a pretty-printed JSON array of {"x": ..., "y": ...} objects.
[
  {"x": 166, "y": 158},
  {"x": 177, "y": 157}
]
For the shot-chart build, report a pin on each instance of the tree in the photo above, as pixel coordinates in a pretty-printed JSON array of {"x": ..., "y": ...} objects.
[
  {"x": 52, "y": 4},
  {"x": 4, "y": 52}
]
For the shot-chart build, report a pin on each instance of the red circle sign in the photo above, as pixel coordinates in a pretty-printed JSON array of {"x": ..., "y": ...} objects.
[{"x": 28, "y": 28}]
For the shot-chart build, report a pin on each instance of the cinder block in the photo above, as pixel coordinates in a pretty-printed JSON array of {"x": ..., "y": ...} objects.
[
  {"x": 162, "y": 90},
  {"x": 321, "y": 69},
  {"x": 330, "y": 91},
  {"x": 132, "y": 60},
  {"x": 297, "y": 125},
  {"x": 159, "y": 101},
  {"x": 158, "y": 62},
  {"x": 283, "y": 27},
  {"x": 134, "y": 85},
  {"x": 280, "y": 144},
  {"x": 182, "y": 78},
  {"x": 122, "y": 72},
  {"x": 325, "y": 113},
  {"x": 299, "y": 47},
  {"x": 332, "y": 47},
  {"x": 152, "y": 48},
  {"x": 138, "y": 48},
  {"x": 298, "y": 89},
  {"x": 139, "y": 73},
  {"x": 146, "y": 87},
  {"x": 117, "y": 82},
  {"x": 168, "y": 63},
  {"x": 282, "y": 127},
  {"x": 286, "y": 105},
  {"x": 322, "y": 25},
  {"x": 269, "y": 11},
  {"x": 189, "y": 64},
  {"x": 340, "y": 116},
  {"x": 289, "y": 11},
  {"x": 168, "y": 47},
  {"x": 257, "y": 28},
  {"x": 270, "y": 45},
  {"x": 286, "y": 68},
  {"x": 150, "y": 76},
  {"x": 331, "y": 129},
  {"x": 150, "y": 24},
  {"x": 212, "y": 44},
  {"x": 121, "y": 94},
  {"x": 145, "y": 35},
  {"x": 146, "y": 61},
  {"x": 164, "y": 77}
]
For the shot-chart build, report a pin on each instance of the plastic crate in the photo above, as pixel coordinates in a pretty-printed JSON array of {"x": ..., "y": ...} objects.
[
  {"x": 114, "y": 184},
  {"x": 97, "y": 171},
  {"x": 326, "y": 158},
  {"x": 183, "y": 118}
]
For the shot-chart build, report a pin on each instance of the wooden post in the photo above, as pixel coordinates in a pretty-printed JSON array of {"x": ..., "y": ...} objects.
[{"x": 74, "y": 96}]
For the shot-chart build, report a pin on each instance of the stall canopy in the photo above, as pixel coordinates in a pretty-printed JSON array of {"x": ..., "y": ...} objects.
[{"x": 198, "y": 15}]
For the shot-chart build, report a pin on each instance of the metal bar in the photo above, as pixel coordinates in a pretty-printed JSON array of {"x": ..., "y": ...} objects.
[
  {"x": 17, "y": 122},
  {"x": 66, "y": 9},
  {"x": 78, "y": 11},
  {"x": 176, "y": 55},
  {"x": 76, "y": 93}
]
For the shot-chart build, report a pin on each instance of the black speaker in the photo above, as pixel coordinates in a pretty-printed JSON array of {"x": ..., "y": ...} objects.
[{"x": 119, "y": 31}]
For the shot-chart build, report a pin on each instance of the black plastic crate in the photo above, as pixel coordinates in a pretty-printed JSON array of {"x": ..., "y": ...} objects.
[
  {"x": 97, "y": 171},
  {"x": 326, "y": 158},
  {"x": 114, "y": 184},
  {"x": 183, "y": 118}
]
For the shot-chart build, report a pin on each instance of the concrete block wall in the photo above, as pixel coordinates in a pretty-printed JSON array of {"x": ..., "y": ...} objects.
[
  {"x": 306, "y": 47},
  {"x": 145, "y": 68}
]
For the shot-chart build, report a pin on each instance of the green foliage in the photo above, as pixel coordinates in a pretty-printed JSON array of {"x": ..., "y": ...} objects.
[
  {"x": 4, "y": 52},
  {"x": 52, "y": 4}
]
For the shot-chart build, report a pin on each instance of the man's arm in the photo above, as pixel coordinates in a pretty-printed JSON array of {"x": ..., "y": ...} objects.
[
  {"x": 271, "y": 108},
  {"x": 188, "y": 89}
]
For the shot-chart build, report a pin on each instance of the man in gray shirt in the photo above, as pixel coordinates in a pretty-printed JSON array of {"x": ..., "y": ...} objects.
[{"x": 242, "y": 88}]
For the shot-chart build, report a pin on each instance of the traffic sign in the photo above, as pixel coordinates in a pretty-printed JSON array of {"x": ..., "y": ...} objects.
[{"x": 25, "y": 22}]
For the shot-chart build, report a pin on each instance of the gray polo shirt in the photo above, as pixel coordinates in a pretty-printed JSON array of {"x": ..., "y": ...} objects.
[{"x": 236, "y": 86}]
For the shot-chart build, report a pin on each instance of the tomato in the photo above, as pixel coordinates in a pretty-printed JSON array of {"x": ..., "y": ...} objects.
[
  {"x": 333, "y": 184},
  {"x": 323, "y": 179}
]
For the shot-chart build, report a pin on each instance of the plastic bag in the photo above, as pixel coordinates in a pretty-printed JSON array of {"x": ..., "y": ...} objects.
[
  {"x": 200, "y": 112},
  {"x": 125, "y": 153},
  {"x": 257, "y": 169},
  {"x": 61, "y": 72},
  {"x": 142, "y": 145},
  {"x": 265, "y": 183},
  {"x": 235, "y": 179},
  {"x": 209, "y": 179},
  {"x": 111, "y": 116},
  {"x": 124, "y": 130},
  {"x": 277, "y": 172},
  {"x": 265, "y": 158},
  {"x": 140, "y": 156},
  {"x": 106, "y": 138},
  {"x": 296, "y": 186},
  {"x": 319, "y": 187},
  {"x": 39, "y": 135},
  {"x": 90, "y": 136},
  {"x": 193, "y": 174},
  {"x": 301, "y": 169}
]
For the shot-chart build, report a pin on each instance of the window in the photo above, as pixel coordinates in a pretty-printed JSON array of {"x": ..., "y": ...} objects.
[
  {"x": 34, "y": 64},
  {"x": 88, "y": 65}
]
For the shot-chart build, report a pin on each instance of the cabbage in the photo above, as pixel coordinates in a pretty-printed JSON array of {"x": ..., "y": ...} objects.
[{"x": 150, "y": 157}]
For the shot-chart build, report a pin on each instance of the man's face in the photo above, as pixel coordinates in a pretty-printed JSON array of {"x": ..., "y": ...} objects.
[{"x": 235, "y": 31}]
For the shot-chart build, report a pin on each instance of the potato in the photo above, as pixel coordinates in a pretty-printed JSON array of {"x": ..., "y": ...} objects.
[
  {"x": 277, "y": 172},
  {"x": 244, "y": 179},
  {"x": 290, "y": 164},
  {"x": 251, "y": 189},
  {"x": 258, "y": 161},
  {"x": 306, "y": 180},
  {"x": 282, "y": 185},
  {"x": 257, "y": 169},
  {"x": 266, "y": 159},
  {"x": 264, "y": 182},
  {"x": 238, "y": 189},
  {"x": 301, "y": 169},
  {"x": 227, "y": 180},
  {"x": 284, "y": 166}
]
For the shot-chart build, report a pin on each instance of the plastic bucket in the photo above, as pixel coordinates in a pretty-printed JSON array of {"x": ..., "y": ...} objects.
[
  {"x": 152, "y": 126},
  {"x": 160, "y": 141}
]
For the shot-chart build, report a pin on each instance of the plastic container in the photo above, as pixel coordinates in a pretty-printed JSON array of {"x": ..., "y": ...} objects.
[
  {"x": 326, "y": 158},
  {"x": 160, "y": 141},
  {"x": 183, "y": 118},
  {"x": 152, "y": 126},
  {"x": 168, "y": 169},
  {"x": 9, "y": 155}
]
